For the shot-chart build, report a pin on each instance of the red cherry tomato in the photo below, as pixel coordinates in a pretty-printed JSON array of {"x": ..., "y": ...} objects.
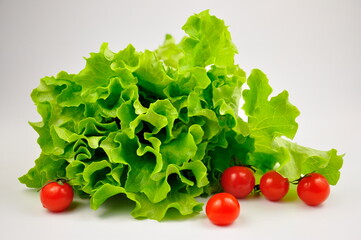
[
  {"x": 273, "y": 186},
  {"x": 222, "y": 209},
  {"x": 313, "y": 189},
  {"x": 238, "y": 181},
  {"x": 56, "y": 196}
]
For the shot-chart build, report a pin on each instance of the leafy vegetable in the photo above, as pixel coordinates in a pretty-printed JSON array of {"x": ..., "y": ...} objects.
[{"x": 161, "y": 126}]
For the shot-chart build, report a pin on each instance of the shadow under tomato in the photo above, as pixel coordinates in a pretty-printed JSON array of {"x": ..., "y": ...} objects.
[
  {"x": 74, "y": 205},
  {"x": 291, "y": 196}
]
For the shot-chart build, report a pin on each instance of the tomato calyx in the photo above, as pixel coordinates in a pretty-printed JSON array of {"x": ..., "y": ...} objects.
[
  {"x": 297, "y": 181},
  {"x": 249, "y": 166},
  {"x": 60, "y": 181},
  {"x": 237, "y": 162},
  {"x": 257, "y": 189}
]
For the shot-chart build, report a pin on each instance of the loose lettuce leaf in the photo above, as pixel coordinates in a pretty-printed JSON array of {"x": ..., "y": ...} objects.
[
  {"x": 270, "y": 121},
  {"x": 268, "y": 118},
  {"x": 296, "y": 160},
  {"x": 159, "y": 127}
]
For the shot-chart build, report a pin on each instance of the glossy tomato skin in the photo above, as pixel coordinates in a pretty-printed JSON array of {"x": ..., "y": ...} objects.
[
  {"x": 238, "y": 181},
  {"x": 313, "y": 189},
  {"x": 222, "y": 209},
  {"x": 274, "y": 186},
  {"x": 56, "y": 197}
]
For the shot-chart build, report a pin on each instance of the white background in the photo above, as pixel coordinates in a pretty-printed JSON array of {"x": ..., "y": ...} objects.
[{"x": 310, "y": 48}]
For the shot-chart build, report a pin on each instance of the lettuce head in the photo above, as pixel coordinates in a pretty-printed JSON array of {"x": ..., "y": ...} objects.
[{"x": 159, "y": 127}]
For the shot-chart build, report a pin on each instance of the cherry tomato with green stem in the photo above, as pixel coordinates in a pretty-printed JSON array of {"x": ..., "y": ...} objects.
[
  {"x": 56, "y": 196},
  {"x": 274, "y": 186},
  {"x": 222, "y": 209},
  {"x": 238, "y": 181},
  {"x": 313, "y": 189}
]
